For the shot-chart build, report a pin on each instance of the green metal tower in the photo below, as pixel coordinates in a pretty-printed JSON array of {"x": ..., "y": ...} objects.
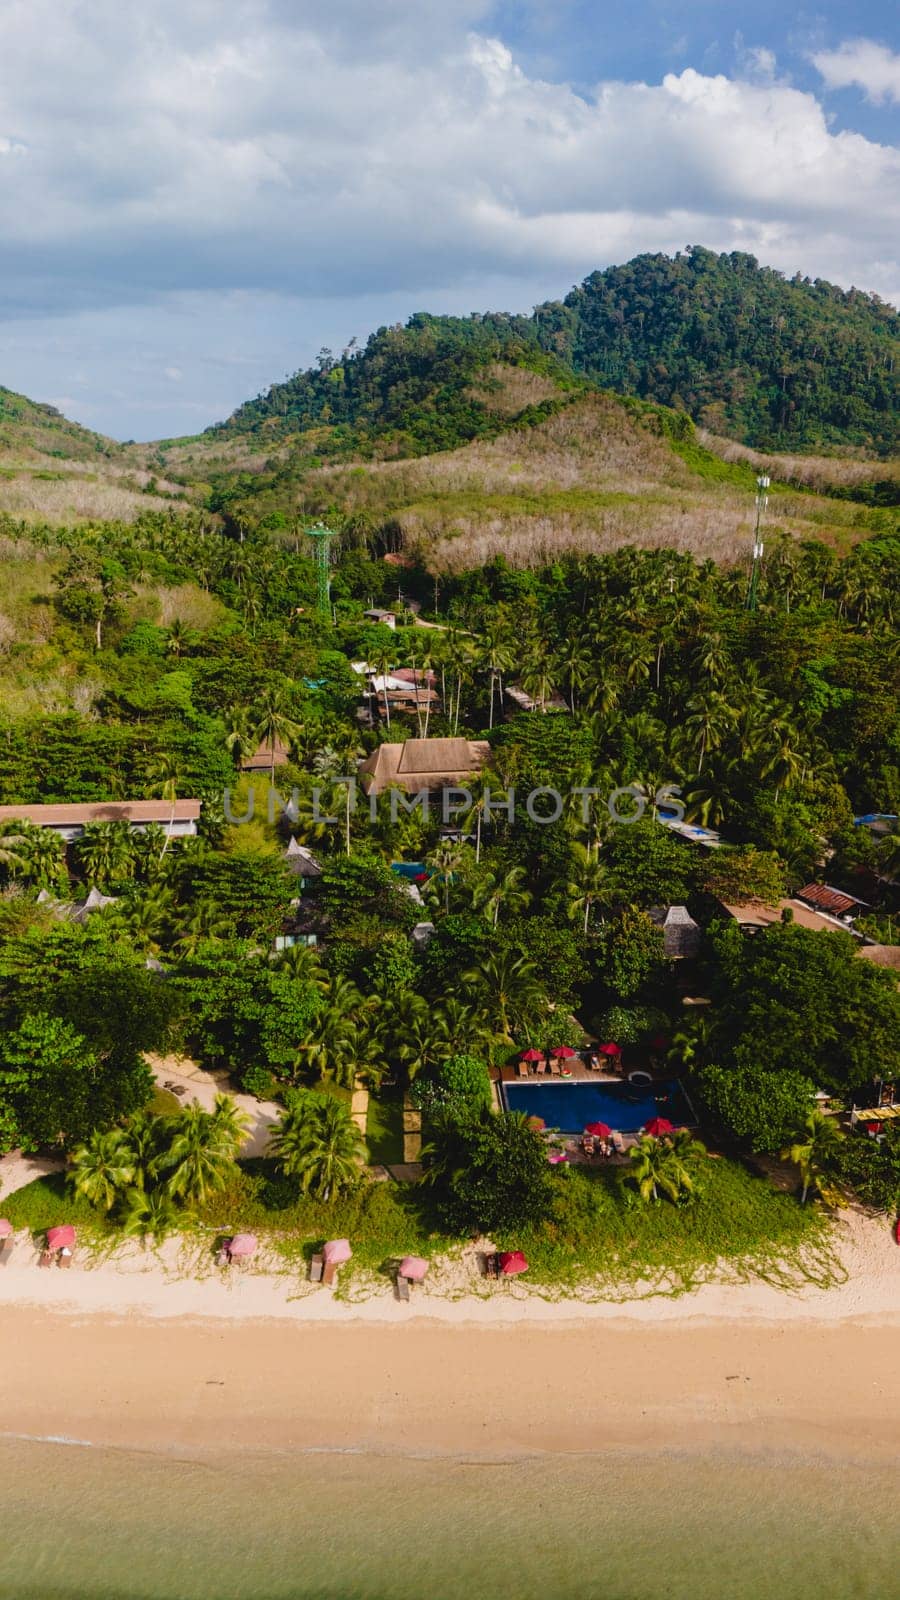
[
  {"x": 322, "y": 538},
  {"x": 762, "y": 501}
]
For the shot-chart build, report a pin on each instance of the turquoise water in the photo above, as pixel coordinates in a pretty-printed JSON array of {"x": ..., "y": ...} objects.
[
  {"x": 570, "y": 1106},
  {"x": 88, "y": 1524}
]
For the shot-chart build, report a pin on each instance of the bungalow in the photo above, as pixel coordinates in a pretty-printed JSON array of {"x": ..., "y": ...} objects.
[
  {"x": 526, "y": 702},
  {"x": 831, "y": 902},
  {"x": 302, "y": 863},
  {"x": 752, "y": 915},
  {"x": 427, "y": 764},
  {"x": 388, "y": 619},
  {"x": 178, "y": 818},
  {"x": 261, "y": 759},
  {"x": 681, "y": 934},
  {"x": 77, "y": 910}
]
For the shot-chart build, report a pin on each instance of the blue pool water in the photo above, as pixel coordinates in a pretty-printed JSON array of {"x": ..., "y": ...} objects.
[{"x": 570, "y": 1105}]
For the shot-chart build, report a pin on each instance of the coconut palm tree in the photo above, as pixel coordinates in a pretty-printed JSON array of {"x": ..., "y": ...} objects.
[
  {"x": 239, "y": 739},
  {"x": 13, "y": 848},
  {"x": 102, "y": 1167},
  {"x": 497, "y": 892},
  {"x": 508, "y": 988},
  {"x": 445, "y": 864},
  {"x": 318, "y": 1143},
  {"x": 165, "y": 778},
  {"x": 199, "y": 1158},
  {"x": 41, "y": 855},
  {"x": 274, "y": 724},
  {"x": 590, "y": 883},
  {"x": 105, "y": 853},
  {"x": 149, "y": 1211},
  {"x": 205, "y": 922},
  {"x": 666, "y": 1166},
  {"x": 814, "y": 1150}
]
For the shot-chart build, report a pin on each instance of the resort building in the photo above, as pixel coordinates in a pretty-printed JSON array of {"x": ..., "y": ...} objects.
[
  {"x": 752, "y": 915},
  {"x": 428, "y": 764},
  {"x": 262, "y": 757},
  {"x": 178, "y": 819},
  {"x": 388, "y": 619},
  {"x": 681, "y": 934},
  {"x": 302, "y": 863}
]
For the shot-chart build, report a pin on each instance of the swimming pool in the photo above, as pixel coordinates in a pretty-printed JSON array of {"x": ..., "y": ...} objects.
[{"x": 570, "y": 1105}]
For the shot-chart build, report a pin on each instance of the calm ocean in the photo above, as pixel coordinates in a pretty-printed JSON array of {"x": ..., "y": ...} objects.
[{"x": 85, "y": 1523}]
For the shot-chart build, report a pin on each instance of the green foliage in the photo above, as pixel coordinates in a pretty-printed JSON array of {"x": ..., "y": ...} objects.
[
  {"x": 738, "y": 346},
  {"x": 744, "y": 874},
  {"x": 798, "y": 1000},
  {"x": 489, "y": 1173},
  {"x": 649, "y": 866},
  {"x": 759, "y": 1106},
  {"x": 454, "y": 1088},
  {"x": 630, "y": 950},
  {"x": 318, "y": 1143},
  {"x": 872, "y": 1168}
]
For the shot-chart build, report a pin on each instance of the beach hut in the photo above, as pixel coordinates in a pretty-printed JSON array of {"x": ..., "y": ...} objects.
[{"x": 60, "y": 1243}]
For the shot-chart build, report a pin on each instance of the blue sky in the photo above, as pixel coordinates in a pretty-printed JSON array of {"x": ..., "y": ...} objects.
[{"x": 197, "y": 197}]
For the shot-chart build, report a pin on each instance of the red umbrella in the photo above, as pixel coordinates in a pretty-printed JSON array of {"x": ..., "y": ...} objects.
[
  {"x": 243, "y": 1244},
  {"x": 61, "y": 1238},
  {"x": 336, "y": 1251},
  {"x": 870, "y": 1127},
  {"x": 610, "y": 1049},
  {"x": 512, "y": 1262},
  {"x": 532, "y": 1055},
  {"x": 413, "y": 1267},
  {"x": 557, "y": 1156},
  {"x": 6, "y": 1228},
  {"x": 599, "y": 1130},
  {"x": 657, "y": 1126},
  {"x": 563, "y": 1053}
]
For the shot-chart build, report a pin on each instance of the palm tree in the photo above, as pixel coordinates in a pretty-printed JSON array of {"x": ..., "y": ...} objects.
[
  {"x": 41, "y": 855},
  {"x": 105, "y": 853},
  {"x": 165, "y": 780},
  {"x": 496, "y": 892},
  {"x": 205, "y": 922},
  {"x": 590, "y": 884},
  {"x": 274, "y": 724},
  {"x": 815, "y": 1150},
  {"x": 149, "y": 1211},
  {"x": 301, "y": 961},
  {"x": 239, "y": 740},
  {"x": 318, "y": 1142},
  {"x": 444, "y": 863},
  {"x": 199, "y": 1158},
  {"x": 710, "y": 718},
  {"x": 685, "y": 1157},
  {"x": 102, "y": 1168},
  {"x": 146, "y": 918},
  {"x": 509, "y": 989},
  {"x": 230, "y": 1124},
  {"x": 648, "y": 1167},
  {"x": 13, "y": 848}
]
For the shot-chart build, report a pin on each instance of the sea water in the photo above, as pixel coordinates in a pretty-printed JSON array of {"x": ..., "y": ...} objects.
[{"x": 80, "y": 1523}]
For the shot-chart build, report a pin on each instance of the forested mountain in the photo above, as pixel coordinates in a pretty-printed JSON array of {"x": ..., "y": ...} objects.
[
  {"x": 742, "y": 349},
  {"x": 771, "y": 362}
]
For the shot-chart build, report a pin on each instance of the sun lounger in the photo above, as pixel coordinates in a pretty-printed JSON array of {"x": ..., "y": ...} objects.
[
  {"x": 64, "y": 1259},
  {"x": 329, "y": 1273},
  {"x": 541, "y": 1066},
  {"x": 588, "y": 1145},
  {"x": 402, "y": 1288},
  {"x": 492, "y": 1265},
  {"x": 555, "y": 1067},
  {"x": 45, "y": 1258},
  {"x": 315, "y": 1268},
  {"x": 618, "y": 1143},
  {"x": 523, "y": 1069}
]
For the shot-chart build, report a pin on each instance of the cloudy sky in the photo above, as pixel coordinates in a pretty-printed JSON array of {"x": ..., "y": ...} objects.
[{"x": 197, "y": 195}]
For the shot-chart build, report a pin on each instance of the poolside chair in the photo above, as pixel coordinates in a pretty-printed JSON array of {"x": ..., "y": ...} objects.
[
  {"x": 316, "y": 1267},
  {"x": 64, "y": 1259},
  {"x": 492, "y": 1265},
  {"x": 329, "y": 1273},
  {"x": 523, "y": 1069},
  {"x": 617, "y": 1142},
  {"x": 45, "y": 1258},
  {"x": 402, "y": 1288},
  {"x": 541, "y": 1066},
  {"x": 588, "y": 1144},
  {"x": 555, "y": 1067}
]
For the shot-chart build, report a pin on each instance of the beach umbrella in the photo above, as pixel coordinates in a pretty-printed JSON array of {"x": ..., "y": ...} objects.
[
  {"x": 610, "y": 1049},
  {"x": 599, "y": 1130},
  {"x": 413, "y": 1267},
  {"x": 336, "y": 1251},
  {"x": 243, "y": 1244},
  {"x": 61, "y": 1238},
  {"x": 532, "y": 1055},
  {"x": 556, "y": 1156},
  {"x": 657, "y": 1126},
  {"x": 6, "y": 1228},
  {"x": 563, "y": 1053},
  {"x": 512, "y": 1262},
  {"x": 870, "y": 1127}
]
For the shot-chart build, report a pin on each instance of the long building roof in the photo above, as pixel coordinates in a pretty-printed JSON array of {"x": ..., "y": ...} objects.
[{"x": 66, "y": 814}]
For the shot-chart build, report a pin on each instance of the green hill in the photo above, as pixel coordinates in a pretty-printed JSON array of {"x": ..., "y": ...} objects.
[{"x": 772, "y": 363}]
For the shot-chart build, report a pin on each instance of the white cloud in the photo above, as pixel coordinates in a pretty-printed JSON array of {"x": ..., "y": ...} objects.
[
  {"x": 861, "y": 64},
  {"x": 302, "y": 150}
]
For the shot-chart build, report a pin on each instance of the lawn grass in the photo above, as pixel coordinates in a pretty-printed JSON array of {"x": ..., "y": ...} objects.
[
  {"x": 49, "y": 1201},
  {"x": 384, "y": 1130}
]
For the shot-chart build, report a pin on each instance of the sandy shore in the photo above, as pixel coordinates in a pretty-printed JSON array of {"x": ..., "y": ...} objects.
[{"x": 134, "y": 1352}]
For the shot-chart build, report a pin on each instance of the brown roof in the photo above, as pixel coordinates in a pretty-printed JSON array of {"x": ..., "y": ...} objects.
[
  {"x": 754, "y": 914},
  {"x": 834, "y": 901},
  {"x": 424, "y": 763},
  {"x": 883, "y": 955},
  {"x": 78, "y": 816},
  {"x": 261, "y": 758}
]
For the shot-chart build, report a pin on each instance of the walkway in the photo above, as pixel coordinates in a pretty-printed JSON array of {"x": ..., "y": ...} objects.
[{"x": 204, "y": 1086}]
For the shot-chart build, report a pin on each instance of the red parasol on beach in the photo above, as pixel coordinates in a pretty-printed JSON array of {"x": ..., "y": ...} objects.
[
  {"x": 336, "y": 1251},
  {"x": 61, "y": 1238},
  {"x": 532, "y": 1055},
  {"x": 610, "y": 1049},
  {"x": 658, "y": 1126},
  {"x": 556, "y": 1157},
  {"x": 599, "y": 1130},
  {"x": 563, "y": 1053},
  {"x": 413, "y": 1267},
  {"x": 512, "y": 1262},
  {"x": 870, "y": 1127},
  {"x": 242, "y": 1245}
]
